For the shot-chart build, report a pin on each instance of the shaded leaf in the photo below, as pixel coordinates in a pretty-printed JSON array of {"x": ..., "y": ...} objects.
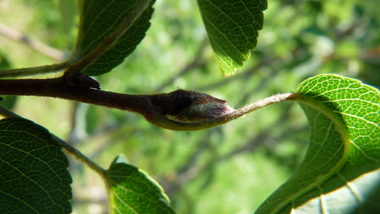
[
  {"x": 232, "y": 28},
  {"x": 98, "y": 19},
  {"x": 33, "y": 169},
  {"x": 133, "y": 191},
  {"x": 341, "y": 170}
]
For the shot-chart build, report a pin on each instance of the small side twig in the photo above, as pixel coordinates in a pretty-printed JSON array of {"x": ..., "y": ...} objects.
[
  {"x": 81, "y": 157},
  {"x": 22, "y": 72}
]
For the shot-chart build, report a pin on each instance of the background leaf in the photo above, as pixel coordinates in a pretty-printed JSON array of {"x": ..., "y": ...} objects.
[
  {"x": 232, "y": 29},
  {"x": 98, "y": 19},
  {"x": 321, "y": 185},
  {"x": 133, "y": 191},
  {"x": 33, "y": 171}
]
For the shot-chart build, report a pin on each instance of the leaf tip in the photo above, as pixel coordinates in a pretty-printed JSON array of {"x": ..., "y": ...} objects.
[{"x": 120, "y": 159}]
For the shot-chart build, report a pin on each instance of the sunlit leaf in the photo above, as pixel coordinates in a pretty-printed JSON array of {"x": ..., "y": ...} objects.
[
  {"x": 133, "y": 191},
  {"x": 98, "y": 19},
  {"x": 341, "y": 170},
  {"x": 232, "y": 28},
  {"x": 34, "y": 178}
]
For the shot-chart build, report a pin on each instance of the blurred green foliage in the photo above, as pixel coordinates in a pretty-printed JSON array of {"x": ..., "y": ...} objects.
[{"x": 229, "y": 169}]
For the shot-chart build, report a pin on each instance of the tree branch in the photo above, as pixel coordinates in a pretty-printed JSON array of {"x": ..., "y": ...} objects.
[
  {"x": 179, "y": 110},
  {"x": 59, "y": 88}
]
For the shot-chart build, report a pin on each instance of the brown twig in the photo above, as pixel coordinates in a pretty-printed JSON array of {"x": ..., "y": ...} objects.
[
  {"x": 59, "y": 88},
  {"x": 155, "y": 108}
]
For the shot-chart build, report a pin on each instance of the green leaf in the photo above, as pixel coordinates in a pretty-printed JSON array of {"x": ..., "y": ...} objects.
[
  {"x": 133, "y": 191},
  {"x": 98, "y": 19},
  {"x": 341, "y": 170},
  {"x": 232, "y": 28},
  {"x": 33, "y": 169}
]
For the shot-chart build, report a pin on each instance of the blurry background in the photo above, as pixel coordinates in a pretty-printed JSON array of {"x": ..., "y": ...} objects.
[{"x": 228, "y": 169}]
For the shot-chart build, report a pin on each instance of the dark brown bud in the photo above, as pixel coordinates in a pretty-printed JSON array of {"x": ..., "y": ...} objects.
[{"x": 191, "y": 106}]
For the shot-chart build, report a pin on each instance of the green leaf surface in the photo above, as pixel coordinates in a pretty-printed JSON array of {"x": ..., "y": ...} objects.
[
  {"x": 341, "y": 170},
  {"x": 133, "y": 191},
  {"x": 33, "y": 169},
  {"x": 98, "y": 19},
  {"x": 232, "y": 28}
]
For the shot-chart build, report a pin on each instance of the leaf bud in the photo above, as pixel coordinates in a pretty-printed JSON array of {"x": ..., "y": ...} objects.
[{"x": 191, "y": 106}]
